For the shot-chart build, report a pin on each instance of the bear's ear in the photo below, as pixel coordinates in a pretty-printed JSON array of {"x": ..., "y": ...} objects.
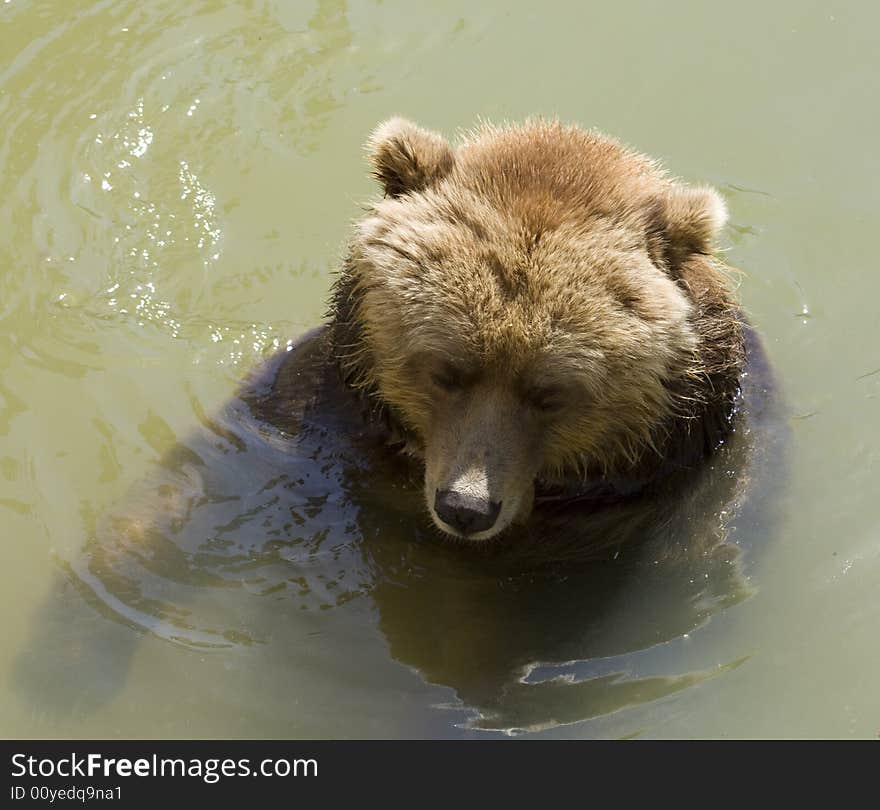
[
  {"x": 686, "y": 220},
  {"x": 407, "y": 158}
]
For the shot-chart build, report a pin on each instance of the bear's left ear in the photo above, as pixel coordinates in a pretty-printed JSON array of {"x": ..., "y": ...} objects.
[
  {"x": 407, "y": 158},
  {"x": 687, "y": 220}
]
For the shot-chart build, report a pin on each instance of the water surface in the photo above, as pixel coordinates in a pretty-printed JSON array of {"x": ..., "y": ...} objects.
[{"x": 176, "y": 184}]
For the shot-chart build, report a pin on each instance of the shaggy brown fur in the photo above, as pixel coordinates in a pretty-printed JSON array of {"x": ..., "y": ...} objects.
[{"x": 539, "y": 305}]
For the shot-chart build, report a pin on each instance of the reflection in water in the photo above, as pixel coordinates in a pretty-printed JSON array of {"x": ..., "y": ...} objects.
[{"x": 286, "y": 498}]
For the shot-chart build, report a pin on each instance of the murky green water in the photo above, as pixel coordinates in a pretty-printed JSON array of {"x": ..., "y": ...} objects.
[{"x": 176, "y": 183}]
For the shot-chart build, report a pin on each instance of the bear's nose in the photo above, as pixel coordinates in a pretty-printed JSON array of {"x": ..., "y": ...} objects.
[{"x": 465, "y": 513}]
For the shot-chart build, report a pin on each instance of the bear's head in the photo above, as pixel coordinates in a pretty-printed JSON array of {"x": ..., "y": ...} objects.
[{"x": 522, "y": 307}]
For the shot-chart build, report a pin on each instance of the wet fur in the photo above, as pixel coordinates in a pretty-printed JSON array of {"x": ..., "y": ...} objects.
[{"x": 542, "y": 252}]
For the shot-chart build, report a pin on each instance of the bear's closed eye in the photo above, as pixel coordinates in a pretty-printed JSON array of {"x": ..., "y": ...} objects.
[
  {"x": 448, "y": 377},
  {"x": 547, "y": 399}
]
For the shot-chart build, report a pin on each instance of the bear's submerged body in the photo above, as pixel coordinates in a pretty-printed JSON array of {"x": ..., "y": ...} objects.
[{"x": 606, "y": 433}]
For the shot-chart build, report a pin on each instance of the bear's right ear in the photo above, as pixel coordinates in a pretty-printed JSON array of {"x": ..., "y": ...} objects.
[{"x": 407, "y": 158}]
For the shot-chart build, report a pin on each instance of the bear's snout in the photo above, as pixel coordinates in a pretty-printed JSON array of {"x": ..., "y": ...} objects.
[
  {"x": 464, "y": 512},
  {"x": 481, "y": 456}
]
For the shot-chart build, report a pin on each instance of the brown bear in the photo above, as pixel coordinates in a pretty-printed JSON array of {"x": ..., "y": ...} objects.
[
  {"x": 536, "y": 312},
  {"x": 536, "y": 318}
]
